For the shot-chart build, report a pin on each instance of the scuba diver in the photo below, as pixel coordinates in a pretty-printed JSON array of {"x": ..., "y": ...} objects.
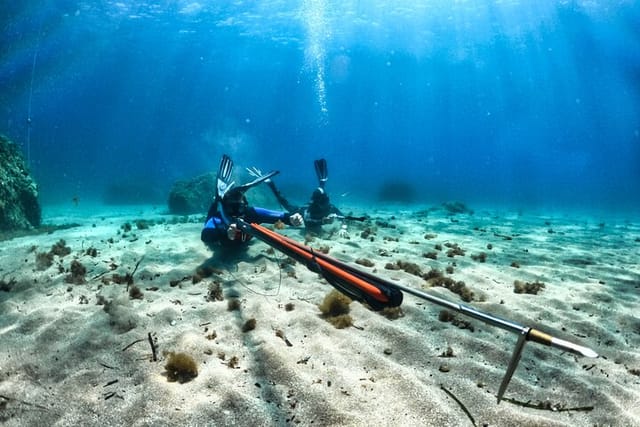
[
  {"x": 230, "y": 204},
  {"x": 319, "y": 210}
]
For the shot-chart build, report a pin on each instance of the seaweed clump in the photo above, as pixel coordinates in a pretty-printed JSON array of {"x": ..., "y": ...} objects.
[
  {"x": 520, "y": 287},
  {"x": 249, "y": 325},
  {"x": 335, "y": 309},
  {"x": 366, "y": 262},
  {"x": 447, "y": 316},
  {"x": 215, "y": 293},
  {"x": 454, "y": 250},
  {"x": 44, "y": 260},
  {"x": 77, "y": 273},
  {"x": 409, "y": 267},
  {"x": 181, "y": 368},
  {"x": 435, "y": 278},
  {"x": 480, "y": 257},
  {"x": 60, "y": 248}
]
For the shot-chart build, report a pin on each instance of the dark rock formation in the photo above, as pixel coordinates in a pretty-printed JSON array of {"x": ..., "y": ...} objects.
[
  {"x": 397, "y": 192},
  {"x": 19, "y": 207},
  {"x": 193, "y": 196}
]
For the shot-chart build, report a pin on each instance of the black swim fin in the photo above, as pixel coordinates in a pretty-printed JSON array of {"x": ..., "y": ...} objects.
[
  {"x": 224, "y": 182},
  {"x": 258, "y": 180},
  {"x": 321, "y": 171}
]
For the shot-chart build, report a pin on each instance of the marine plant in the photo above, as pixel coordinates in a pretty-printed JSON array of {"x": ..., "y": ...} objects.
[
  {"x": 409, "y": 267},
  {"x": 60, "y": 248},
  {"x": 431, "y": 255},
  {"x": 392, "y": 313},
  {"x": 342, "y": 321},
  {"x": 233, "y": 304},
  {"x": 215, "y": 292},
  {"x": 454, "y": 250},
  {"x": 365, "y": 262},
  {"x": 447, "y": 316},
  {"x": 44, "y": 260},
  {"x": 457, "y": 287},
  {"x": 334, "y": 304},
  {"x": 181, "y": 367},
  {"x": 480, "y": 257},
  {"x": 135, "y": 292},
  {"x": 335, "y": 309}
]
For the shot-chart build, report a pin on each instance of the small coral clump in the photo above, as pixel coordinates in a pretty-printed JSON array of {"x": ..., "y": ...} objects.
[{"x": 181, "y": 367}]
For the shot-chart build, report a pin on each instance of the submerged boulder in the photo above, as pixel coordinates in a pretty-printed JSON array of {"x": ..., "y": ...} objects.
[
  {"x": 192, "y": 196},
  {"x": 19, "y": 206}
]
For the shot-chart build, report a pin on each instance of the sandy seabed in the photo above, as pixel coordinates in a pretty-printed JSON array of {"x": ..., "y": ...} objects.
[{"x": 75, "y": 339}]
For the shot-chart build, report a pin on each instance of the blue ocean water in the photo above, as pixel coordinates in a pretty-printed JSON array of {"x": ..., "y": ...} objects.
[{"x": 520, "y": 103}]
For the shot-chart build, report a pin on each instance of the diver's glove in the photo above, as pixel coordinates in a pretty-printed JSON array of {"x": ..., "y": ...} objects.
[
  {"x": 296, "y": 220},
  {"x": 257, "y": 173}
]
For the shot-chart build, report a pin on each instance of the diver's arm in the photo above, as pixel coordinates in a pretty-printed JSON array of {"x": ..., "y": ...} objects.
[
  {"x": 268, "y": 216},
  {"x": 281, "y": 199}
]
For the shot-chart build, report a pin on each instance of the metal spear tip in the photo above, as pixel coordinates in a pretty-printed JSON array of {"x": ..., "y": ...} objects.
[
  {"x": 573, "y": 347},
  {"x": 587, "y": 352}
]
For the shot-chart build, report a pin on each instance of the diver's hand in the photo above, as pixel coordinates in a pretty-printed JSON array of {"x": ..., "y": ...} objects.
[
  {"x": 257, "y": 173},
  {"x": 329, "y": 218},
  {"x": 296, "y": 220},
  {"x": 232, "y": 231}
]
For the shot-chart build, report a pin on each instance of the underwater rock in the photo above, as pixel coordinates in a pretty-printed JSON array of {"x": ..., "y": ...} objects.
[
  {"x": 397, "y": 192},
  {"x": 19, "y": 207},
  {"x": 192, "y": 196},
  {"x": 454, "y": 208}
]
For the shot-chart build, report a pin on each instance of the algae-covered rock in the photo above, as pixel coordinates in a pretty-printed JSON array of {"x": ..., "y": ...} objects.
[
  {"x": 192, "y": 196},
  {"x": 19, "y": 206}
]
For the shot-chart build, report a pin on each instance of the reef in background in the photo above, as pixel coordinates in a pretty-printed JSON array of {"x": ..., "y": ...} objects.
[
  {"x": 192, "y": 196},
  {"x": 19, "y": 206}
]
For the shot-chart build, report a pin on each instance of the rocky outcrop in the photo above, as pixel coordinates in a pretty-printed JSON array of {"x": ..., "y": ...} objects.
[
  {"x": 19, "y": 206},
  {"x": 192, "y": 196}
]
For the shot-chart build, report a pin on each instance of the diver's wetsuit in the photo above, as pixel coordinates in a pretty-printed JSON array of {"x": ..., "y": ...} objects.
[
  {"x": 215, "y": 227},
  {"x": 315, "y": 213}
]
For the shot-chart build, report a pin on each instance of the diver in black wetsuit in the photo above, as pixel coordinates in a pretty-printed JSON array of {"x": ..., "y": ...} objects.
[
  {"x": 230, "y": 204},
  {"x": 319, "y": 210}
]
